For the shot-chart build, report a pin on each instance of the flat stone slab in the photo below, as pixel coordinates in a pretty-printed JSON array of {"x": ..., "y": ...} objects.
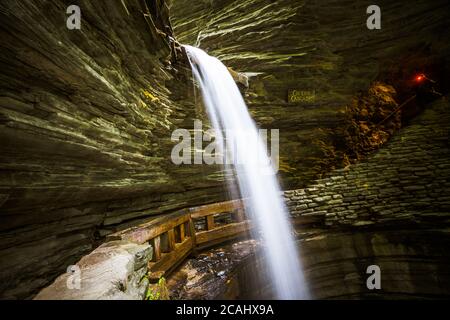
[{"x": 113, "y": 271}]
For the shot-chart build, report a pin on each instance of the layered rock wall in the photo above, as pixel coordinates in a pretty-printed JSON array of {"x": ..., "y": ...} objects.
[
  {"x": 86, "y": 118},
  {"x": 306, "y": 59},
  {"x": 86, "y": 115},
  {"x": 407, "y": 179},
  {"x": 391, "y": 210}
]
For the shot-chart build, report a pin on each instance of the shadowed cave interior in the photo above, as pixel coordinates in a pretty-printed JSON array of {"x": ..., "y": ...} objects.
[{"x": 86, "y": 119}]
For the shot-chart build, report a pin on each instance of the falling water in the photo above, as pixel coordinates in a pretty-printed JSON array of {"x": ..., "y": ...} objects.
[{"x": 228, "y": 113}]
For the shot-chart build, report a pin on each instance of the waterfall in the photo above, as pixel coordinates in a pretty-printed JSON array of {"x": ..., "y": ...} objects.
[{"x": 228, "y": 113}]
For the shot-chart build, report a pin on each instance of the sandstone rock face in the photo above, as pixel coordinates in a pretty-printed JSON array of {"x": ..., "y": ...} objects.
[
  {"x": 86, "y": 118},
  {"x": 306, "y": 59}
]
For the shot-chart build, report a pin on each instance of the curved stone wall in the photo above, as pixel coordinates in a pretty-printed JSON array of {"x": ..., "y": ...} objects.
[
  {"x": 391, "y": 210},
  {"x": 86, "y": 118}
]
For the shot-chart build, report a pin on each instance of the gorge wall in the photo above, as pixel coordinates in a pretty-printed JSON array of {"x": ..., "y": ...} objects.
[
  {"x": 86, "y": 118},
  {"x": 306, "y": 60},
  {"x": 86, "y": 115},
  {"x": 391, "y": 210}
]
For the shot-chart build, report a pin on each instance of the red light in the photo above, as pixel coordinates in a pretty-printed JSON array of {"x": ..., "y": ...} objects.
[{"x": 420, "y": 77}]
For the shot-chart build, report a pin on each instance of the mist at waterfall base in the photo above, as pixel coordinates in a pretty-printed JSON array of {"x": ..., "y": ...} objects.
[{"x": 228, "y": 112}]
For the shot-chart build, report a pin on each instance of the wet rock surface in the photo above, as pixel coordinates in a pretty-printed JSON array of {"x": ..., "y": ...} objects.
[{"x": 212, "y": 274}]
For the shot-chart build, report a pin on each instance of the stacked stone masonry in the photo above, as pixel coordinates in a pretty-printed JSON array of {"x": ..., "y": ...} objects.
[{"x": 407, "y": 179}]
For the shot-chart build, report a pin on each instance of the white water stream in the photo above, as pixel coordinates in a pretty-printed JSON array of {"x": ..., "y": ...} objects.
[{"x": 228, "y": 113}]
